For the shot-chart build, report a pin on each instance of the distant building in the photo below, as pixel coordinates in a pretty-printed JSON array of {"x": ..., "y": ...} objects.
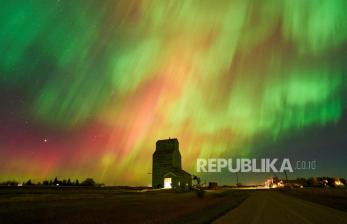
[
  {"x": 167, "y": 169},
  {"x": 212, "y": 185}
]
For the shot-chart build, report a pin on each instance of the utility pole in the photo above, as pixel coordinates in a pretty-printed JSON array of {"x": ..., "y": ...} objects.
[{"x": 285, "y": 173}]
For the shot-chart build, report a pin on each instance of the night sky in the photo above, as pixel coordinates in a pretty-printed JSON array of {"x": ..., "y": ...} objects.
[{"x": 87, "y": 87}]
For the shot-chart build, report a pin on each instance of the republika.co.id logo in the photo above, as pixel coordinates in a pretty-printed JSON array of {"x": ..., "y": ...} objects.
[{"x": 264, "y": 165}]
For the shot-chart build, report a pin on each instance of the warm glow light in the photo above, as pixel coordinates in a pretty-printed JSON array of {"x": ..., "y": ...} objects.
[
  {"x": 167, "y": 183},
  {"x": 338, "y": 183}
]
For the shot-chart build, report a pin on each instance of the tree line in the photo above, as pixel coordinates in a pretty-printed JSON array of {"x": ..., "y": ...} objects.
[{"x": 54, "y": 182}]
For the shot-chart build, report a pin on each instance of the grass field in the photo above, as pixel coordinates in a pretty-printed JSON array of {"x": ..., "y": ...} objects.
[
  {"x": 331, "y": 197},
  {"x": 109, "y": 205}
]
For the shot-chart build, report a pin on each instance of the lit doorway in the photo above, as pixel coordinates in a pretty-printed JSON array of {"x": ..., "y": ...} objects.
[{"x": 167, "y": 183}]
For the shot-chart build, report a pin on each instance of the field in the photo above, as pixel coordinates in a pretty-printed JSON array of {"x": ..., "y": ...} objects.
[
  {"x": 110, "y": 205},
  {"x": 331, "y": 197},
  {"x": 119, "y": 205}
]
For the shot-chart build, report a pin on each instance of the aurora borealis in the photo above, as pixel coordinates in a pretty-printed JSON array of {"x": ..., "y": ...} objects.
[{"x": 87, "y": 86}]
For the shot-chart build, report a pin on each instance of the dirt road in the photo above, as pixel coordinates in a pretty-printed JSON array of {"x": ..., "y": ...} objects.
[{"x": 274, "y": 207}]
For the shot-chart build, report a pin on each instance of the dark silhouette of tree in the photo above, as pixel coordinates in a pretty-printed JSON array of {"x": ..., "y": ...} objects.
[
  {"x": 88, "y": 182},
  {"x": 197, "y": 179},
  {"x": 28, "y": 182},
  {"x": 55, "y": 182},
  {"x": 331, "y": 181},
  {"x": 9, "y": 183}
]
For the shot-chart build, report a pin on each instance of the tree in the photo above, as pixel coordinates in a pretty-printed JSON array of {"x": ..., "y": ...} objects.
[
  {"x": 28, "y": 182},
  {"x": 9, "y": 183},
  {"x": 331, "y": 181},
  {"x": 88, "y": 182},
  {"x": 68, "y": 182},
  {"x": 197, "y": 179},
  {"x": 77, "y": 183},
  {"x": 55, "y": 182}
]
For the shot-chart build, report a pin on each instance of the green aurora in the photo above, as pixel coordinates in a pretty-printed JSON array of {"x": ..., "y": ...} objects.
[{"x": 103, "y": 80}]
